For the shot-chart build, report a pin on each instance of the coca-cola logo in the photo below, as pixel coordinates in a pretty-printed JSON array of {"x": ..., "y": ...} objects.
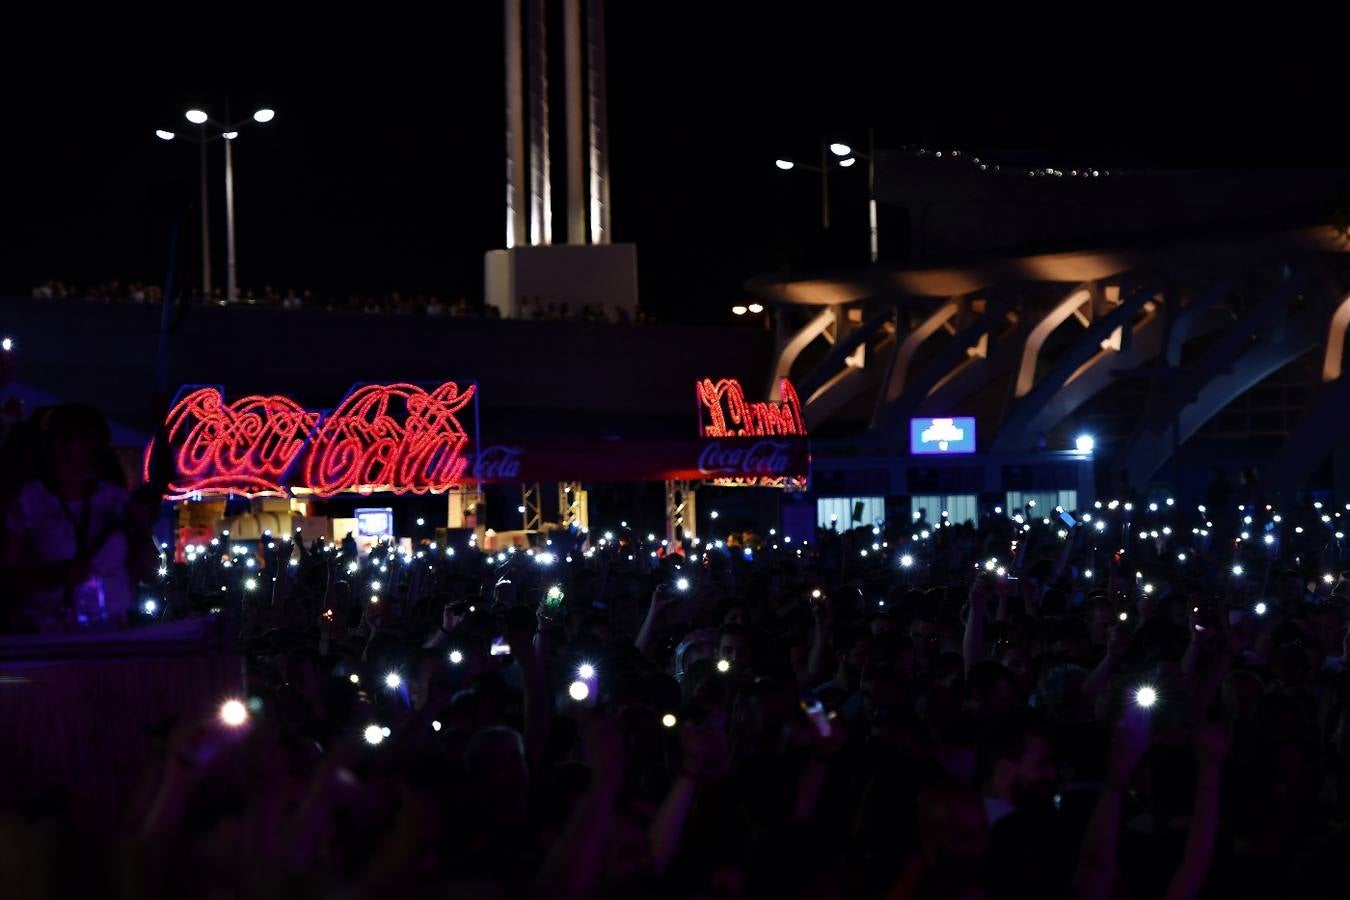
[
  {"x": 726, "y": 413},
  {"x": 760, "y": 459},
  {"x": 497, "y": 463},
  {"x": 399, "y": 438}
]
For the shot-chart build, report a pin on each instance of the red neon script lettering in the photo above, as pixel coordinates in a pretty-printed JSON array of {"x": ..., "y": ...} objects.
[
  {"x": 244, "y": 447},
  {"x": 395, "y": 437},
  {"x": 730, "y": 415}
]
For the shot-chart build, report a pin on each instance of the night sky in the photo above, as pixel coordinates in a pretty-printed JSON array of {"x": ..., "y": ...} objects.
[{"x": 383, "y": 169}]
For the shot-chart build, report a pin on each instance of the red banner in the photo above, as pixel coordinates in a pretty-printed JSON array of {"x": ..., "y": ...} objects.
[{"x": 758, "y": 461}]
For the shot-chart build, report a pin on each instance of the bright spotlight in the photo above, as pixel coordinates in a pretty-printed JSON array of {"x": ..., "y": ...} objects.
[
  {"x": 1145, "y": 697},
  {"x": 264, "y": 115},
  {"x": 785, "y": 164},
  {"x": 196, "y": 116},
  {"x": 374, "y": 735},
  {"x": 456, "y": 657},
  {"x": 668, "y": 720},
  {"x": 393, "y": 681},
  {"x": 233, "y": 713},
  {"x": 586, "y": 671},
  {"x": 164, "y": 135},
  {"x": 1084, "y": 443},
  {"x": 847, "y": 163},
  {"x": 755, "y": 308},
  {"x": 579, "y": 690},
  {"x": 841, "y": 149}
]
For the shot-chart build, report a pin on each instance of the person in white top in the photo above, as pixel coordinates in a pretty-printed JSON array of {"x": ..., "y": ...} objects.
[{"x": 73, "y": 546}]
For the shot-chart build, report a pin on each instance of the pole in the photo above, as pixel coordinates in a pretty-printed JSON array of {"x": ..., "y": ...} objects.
[
  {"x": 515, "y": 130},
  {"x": 232, "y": 285},
  {"x": 206, "y": 228},
  {"x": 541, "y": 197},
  {"x": 824, "y": 187},
  {"x": 598, "y": 140},
  {"x": 576, "y": 194},
  {"x": 872, "y": 192}
]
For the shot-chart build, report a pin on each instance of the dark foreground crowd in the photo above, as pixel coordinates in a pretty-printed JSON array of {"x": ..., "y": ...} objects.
[{"x": 1148, "y": 704}]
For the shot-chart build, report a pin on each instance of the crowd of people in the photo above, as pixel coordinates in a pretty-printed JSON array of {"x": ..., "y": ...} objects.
[
  {"x": 1141, "y": 698},
  {"x": 389, "y": 303}
]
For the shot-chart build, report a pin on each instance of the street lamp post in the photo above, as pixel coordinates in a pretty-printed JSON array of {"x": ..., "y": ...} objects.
[
  {"x": 847, "y": 160},
  {"x": 227, "y": 133},
  {"x": 206, "y": 224},
  {"x": 231, "y": 275}
]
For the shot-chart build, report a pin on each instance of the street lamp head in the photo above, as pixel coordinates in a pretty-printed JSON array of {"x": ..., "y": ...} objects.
[
  {"x": 163, "y": 135},
  {"x": 785, "y": 164},
  {"x": 196, "y": 116},
  {"x": 264, "y": 115},
  {"x": 846, "y": 163},
  {"x": 841, "y": 149},
  {"x": 230, "y": 135},
  {"x": 756, "y": 308},
  {"x": 738, "y": 310}
]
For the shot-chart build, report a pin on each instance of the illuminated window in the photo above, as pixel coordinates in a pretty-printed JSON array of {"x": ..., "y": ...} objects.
[{"x": 850, "y": 512}]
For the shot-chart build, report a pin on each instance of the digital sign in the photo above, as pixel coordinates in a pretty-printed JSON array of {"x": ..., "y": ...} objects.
[{"x": 942, "y": 437}]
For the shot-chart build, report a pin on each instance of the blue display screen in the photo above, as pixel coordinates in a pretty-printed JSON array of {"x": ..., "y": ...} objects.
[{"x": 942, "y": 437}]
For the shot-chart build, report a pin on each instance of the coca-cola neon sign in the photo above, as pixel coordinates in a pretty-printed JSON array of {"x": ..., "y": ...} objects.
[
  {"x": 724, "y": 412},
  {"x": 396, "y": 438}
]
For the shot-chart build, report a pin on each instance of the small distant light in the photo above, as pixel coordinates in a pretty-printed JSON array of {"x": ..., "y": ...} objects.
[
  {"x": 421, "y": 522},
  {"x": 723, "y": 666},
  {"x": 1124, "y": 616},
  {"x": 384, "y": 730},
  {"x": 435, "y": 724},
  {"x": 586, "y": 671},
  {"x": 250, "y": 585},
  {"x": 456, "y": 657},
  {"x": 668, "y": 720},
  {"x": 374, "y": 735},
  {"x": 579, "y": 690},
  {"x": 393, "y": 681},
  {"x": 1087, "y": 573},
  {"x": 1269, "y": 539},
  {"x": 681, "y": 584},
  {"x": 1237, "y": 569},
  {"x": 1153, "y": 507},
  {"x": 1181, "y": 557},
  {"x": 1260, "y": 609},
  {"x": 150, "y": 607},
  {"x": 1329, "y": 578},
  {"x": 1145, "y": 697},
  {"x": 906, "y": 561}
]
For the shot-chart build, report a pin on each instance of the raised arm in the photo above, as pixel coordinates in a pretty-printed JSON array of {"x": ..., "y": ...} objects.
[
  {"x": 1096, "y": 869},
  {"x": 972, "y": 645},
  {"x": 1211, "y": 746}
]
